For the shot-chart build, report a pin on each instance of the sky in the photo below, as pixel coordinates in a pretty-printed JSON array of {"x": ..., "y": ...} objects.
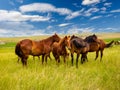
[{"x": 43, "y": 17}]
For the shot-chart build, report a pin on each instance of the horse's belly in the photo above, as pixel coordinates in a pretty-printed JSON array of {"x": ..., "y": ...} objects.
[{"x": 36, "y": 52}]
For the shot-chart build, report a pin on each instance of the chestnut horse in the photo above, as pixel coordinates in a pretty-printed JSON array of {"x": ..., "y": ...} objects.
[
  {"x": 59, "y": 48},
  {"x": 97, "y": 45},
  {"x": 79, "y": 46},
  {"x": 27, "y": 47}
]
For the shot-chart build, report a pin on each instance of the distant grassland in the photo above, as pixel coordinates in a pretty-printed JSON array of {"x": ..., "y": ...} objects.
[
  {"x": 92, "y": 75},
  {"x": 110, "y": 36}
]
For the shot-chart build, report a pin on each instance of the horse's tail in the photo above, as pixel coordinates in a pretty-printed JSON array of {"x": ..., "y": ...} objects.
[
  {"x": 18, "y": 50},
  {"x": 109, "y": 44},
  {"x": 77, "y": 44}
]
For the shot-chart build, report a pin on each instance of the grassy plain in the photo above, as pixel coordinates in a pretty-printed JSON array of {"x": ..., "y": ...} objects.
[{"x": 93, "y": 75}]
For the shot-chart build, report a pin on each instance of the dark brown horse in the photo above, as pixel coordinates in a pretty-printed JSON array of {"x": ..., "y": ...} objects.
[
  {"x": 96, "y": 45},
  {"x": 59, "y": 48},
  {"x": 27, "y": 47},
  {"x": 79, "y": 46}
]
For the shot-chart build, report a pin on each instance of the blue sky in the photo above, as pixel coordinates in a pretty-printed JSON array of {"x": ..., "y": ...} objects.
[{"x": 39, "y": 17}]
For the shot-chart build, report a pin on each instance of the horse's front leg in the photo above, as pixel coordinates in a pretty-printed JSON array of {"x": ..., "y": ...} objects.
[
  {"x": 77, "y": 60},
  {"x": 72, "y": 58},
  {"x": 58, "y": 60},
  {"x": 43, "y": 58}
]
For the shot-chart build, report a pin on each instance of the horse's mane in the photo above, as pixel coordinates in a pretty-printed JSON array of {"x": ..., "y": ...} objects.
[
  {"x": 91, "y": 38},
  {"x": 50, "y": 38},
  {"x": 62, "y": 40},
  {"x": 73, "y": 36}
]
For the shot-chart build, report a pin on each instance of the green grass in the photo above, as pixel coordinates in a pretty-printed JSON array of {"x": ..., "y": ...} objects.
[{"x": 93, "y": 75}]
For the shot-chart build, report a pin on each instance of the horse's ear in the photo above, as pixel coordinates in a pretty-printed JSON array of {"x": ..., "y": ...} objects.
[
  {"x": 65, "y": 36},
  {"x": 68, "y": 35},
  {"x": 55, "y": 34}
]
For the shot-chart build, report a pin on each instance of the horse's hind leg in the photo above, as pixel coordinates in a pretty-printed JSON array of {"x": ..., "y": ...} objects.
[
  {"x": 33, "y": 57},
  {"x": 38, "y": 57},
  {"x": 82, "y": 58},
  {"x": 57, "y": 60},
  {"x": 97, "y": 52},
  {"x": 101, "y": 55},
  {"x": 18, "y": 59},
  {"x": 86, "y": 58},
  {"x": 50, "y": 57},
  {"x": 24, "y": 60}
]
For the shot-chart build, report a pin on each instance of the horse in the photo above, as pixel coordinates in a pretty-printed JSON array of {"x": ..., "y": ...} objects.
[
  {"x": 117, "y": 42},
  {"x": 59, "y": 49},
  {"x": 79, "y": 46},
  {"x": 27, "y": 47},
  {"x": 97, "y": 45}
]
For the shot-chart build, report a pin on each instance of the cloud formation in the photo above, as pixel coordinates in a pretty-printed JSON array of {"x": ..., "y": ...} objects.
[
  {"x": 89, "y": 2},
  {"x": 44, "y": 8},
  {"x": 115, "y": 11},
  {"x": 95, "y": 17},
  {"x": 64, "y": 24},
  {"x": 18, "y": 16}
]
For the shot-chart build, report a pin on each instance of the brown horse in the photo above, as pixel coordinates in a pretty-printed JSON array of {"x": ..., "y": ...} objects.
[
  {"x": 59, "y": 48},
  {"x": 97, "y": 45},
  {"x": 27, "y": 47},
  {"x": 80, "y": 47}
]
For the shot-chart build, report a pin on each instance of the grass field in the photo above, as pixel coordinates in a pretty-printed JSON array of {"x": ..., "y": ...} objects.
[{"x": 93, "y": 75}]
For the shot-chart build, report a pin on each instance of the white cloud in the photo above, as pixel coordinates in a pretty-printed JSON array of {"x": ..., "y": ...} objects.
[
  {"x": 88, "y": 2},
  {"x": 14, "y": 33},
  {"x": 20, "y": 1},
  {"x": 76, "y": 30},
  {"x": 17, "y": 16},
  {"x": 64, "y": 24},
  {"x": 49, "y": 27},
  {"x": 74, "y": 14},
  {"x": 12, "y": 29},
  {"x": 90, "y": 11},
  {"x": 16, "y": 26},
  {"x": 103, "y": 9},
  {"x": 108, "y": 29},
  {"x": 43, "y": 8},
  {"x": 107, "y": 4},
  {"x": 82, "y": 12},
  {"x": 115, "y": 11},
  {"x": 95, "y": 17},
  {"x": 109, "y": 15}
]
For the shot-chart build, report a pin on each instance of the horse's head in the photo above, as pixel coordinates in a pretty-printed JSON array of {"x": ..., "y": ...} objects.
[
  {"x": 94, "y": 37},
  {"x": 67, "y": 41},
  {"x": 73, "y": 36},
  {"x": 56, "y": 38}
]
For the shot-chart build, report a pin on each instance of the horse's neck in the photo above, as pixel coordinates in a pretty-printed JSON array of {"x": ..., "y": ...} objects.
[
  {"x": 61, "y": 43},
  {"x": 48, "y": 41}
]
